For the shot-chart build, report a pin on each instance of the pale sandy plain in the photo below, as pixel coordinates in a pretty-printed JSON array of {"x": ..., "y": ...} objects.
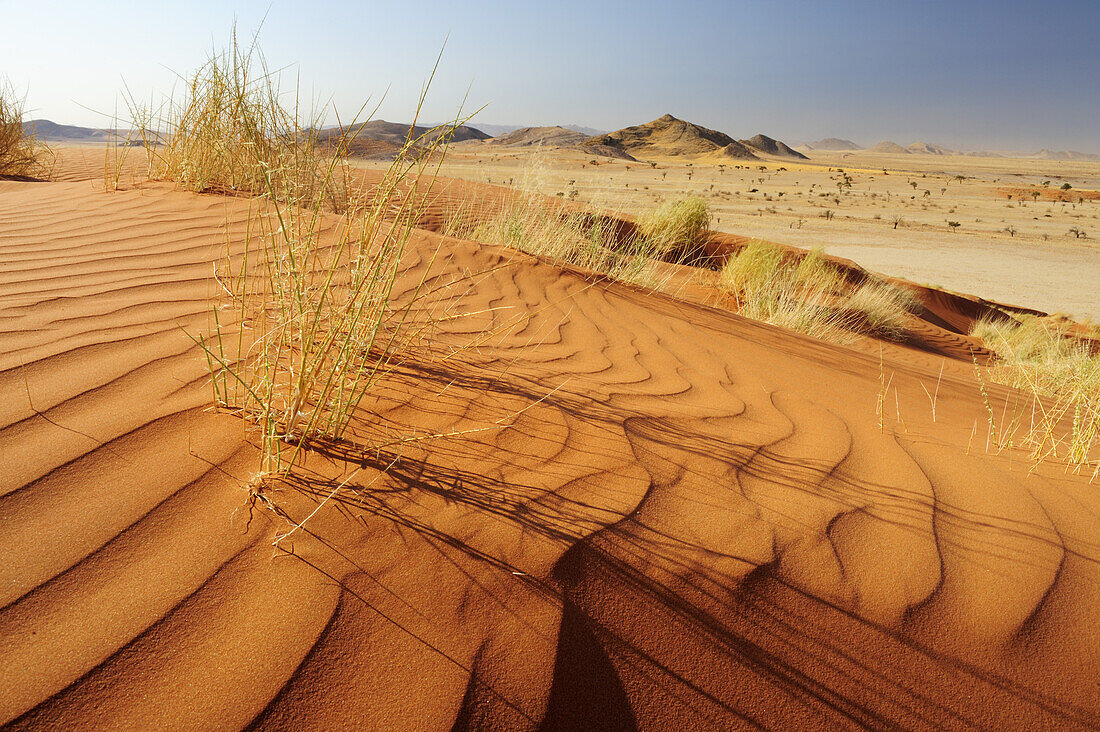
[
  {"x": 681, "y": 518},
  {"x": 1008, "y": 250}
]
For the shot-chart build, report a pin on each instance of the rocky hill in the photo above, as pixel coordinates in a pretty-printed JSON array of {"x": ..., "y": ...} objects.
[
  {"x": 532, "y": 136},
  {"x": 771, "y": 146},
  {"x": 668, "y": 136}
]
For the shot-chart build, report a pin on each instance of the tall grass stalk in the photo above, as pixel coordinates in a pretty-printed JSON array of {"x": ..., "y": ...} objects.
[
  {"x": 116, "y": 152},
  {"x": 308, "y": 319}
]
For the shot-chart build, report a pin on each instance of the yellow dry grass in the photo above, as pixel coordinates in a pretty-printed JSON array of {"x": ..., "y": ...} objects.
[{"x": 22, "y": 154}]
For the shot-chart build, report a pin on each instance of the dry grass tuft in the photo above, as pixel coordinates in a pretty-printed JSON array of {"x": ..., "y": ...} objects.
[
  {"x": 22, "y": 154},
  {"x": 812, "y": 296},
  {"x": 593, "y": 237},
  {"x": 678, "y": 229},
  {"x": 880, "y": 309},
  {"x": 230, "y": 133},
  {"x": 537, "y": 226},
  {"x": 586, "y": 237},
  {"x": 1062, "y": 375}
]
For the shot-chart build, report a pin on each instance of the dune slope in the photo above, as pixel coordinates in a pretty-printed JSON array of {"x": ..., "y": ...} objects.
[{"x": 657, "y": 515}]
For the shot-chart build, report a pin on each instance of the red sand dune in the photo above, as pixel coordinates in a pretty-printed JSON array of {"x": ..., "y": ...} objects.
[{"x": 690, "y": 521}]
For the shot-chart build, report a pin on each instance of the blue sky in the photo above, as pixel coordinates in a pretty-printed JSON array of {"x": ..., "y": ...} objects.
[{"x": 999, "y": 75}]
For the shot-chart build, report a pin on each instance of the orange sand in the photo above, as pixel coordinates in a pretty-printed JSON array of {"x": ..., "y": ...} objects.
[{"x": 691, "y": 521}]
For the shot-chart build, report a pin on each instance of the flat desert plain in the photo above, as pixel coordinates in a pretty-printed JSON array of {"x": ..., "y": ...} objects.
[
  {"x": 581, "y": 504},
  {"x": 1014, "y": 241}
]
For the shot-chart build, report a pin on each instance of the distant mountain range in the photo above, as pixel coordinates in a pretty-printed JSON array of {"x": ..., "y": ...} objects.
[
  {"x": 771, "y": 146},
  {"x": 49, "y": 131},
  {"x": 659, "y": 136},
  {"x": 1045, "y": 154},
  {"x": 889, "y": 147},
  {"x": 382, "y": 140},
  {"x": 397, "y": 132}
]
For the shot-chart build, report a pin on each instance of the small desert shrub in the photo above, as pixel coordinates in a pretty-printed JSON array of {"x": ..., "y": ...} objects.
[
  {"x": 677, "y": 229},
  {"x": 21, "y": 153},
  {"x": 1036, "y": 355},
  {"x": 812, "y": 296}
]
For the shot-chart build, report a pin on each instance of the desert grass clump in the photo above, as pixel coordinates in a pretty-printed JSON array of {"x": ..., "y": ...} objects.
[
  {"x": 881, "y": 308},
  {"x": 598, "y": 237},
  {"x": 22, "y": 154},
  {"x": 810, "y": 295},
  {"x": 543, "y": 227},
  {"x": 314, "y": 319},
  {"x": 677, "y": 229},
  {"x": 230, "y": 132},
  {"x": 318, "y": 305},
  {"x": 1061, "y": 373},
  {"x": 771, "y": 285}
]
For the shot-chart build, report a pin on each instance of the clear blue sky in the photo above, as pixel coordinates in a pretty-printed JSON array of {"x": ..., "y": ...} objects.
[{"x": 996, "y": 74}]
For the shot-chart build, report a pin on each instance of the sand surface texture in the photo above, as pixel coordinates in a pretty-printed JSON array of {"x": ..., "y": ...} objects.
[{"x": 681, "y": 519}]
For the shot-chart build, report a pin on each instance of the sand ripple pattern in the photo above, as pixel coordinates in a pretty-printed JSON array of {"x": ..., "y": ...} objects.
[{"x": 690, "y": 521}]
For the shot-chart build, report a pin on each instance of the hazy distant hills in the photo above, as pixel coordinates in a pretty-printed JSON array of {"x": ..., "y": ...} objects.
[
  {"x": 379, "y": 139},
  {"x": 532, "y": 136},
  {"x": 49, "y": 131},
  {"x": 499, "y": 130},
  {"x": 925, "y": 148},
  {"x": 665, "y": 136},
  {"x": 892, "y": 148},
  {"x": 1045, "y": 154},
  {"x": 834, "y": 143},
  {"x": 888, "y": 147},
  {"x": 590, "y": 131},
  {"x": 397, "y": 132},
  {"x": 392, "y": 132}
]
